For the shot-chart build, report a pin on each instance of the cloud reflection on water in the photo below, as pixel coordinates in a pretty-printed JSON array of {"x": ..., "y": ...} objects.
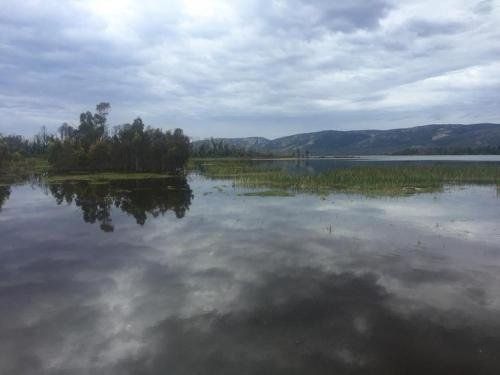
[{"x": 254, "y": 285}]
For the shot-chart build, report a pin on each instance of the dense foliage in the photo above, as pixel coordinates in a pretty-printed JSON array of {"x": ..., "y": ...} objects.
[
  {"x": 16, "y": 147},
  {"x": 212, "y": 147},
  {"x": 132, "y": 147},
  {"x": 90, "y": 146},
  {"x": 4, "y": 152}
]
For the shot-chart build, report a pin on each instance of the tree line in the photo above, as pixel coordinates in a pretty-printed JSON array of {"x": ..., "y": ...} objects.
[
  {"x": 131, "y": 148},
  {"x": 92, "y": 146},
  {"x": 15, "y": 147},
  {"x": 212, "y": 147}
]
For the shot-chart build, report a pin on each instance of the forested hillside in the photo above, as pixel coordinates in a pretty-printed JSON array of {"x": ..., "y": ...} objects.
[{"x": 438, "y": 139}]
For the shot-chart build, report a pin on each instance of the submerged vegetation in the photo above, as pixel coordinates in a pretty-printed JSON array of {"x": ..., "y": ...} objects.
[{"x": 373, "y": 180}]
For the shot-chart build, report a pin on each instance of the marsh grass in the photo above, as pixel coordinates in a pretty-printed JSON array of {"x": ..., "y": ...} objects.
[
  {"x": 368, "y": 180},
  {"x": 96, "y": 178},
  {"x": 22, "y": 168},
  {"x": 269, "y": 193},
  {"x": 26, "y": 168}
]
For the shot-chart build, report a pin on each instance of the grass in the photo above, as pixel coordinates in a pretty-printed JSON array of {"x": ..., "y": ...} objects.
[
  {"x": 104, "y": 177},
  {"x": 269, "y": 193},
  {"x": 23, "y": 168},
  {"x": 376, "y": 180}
]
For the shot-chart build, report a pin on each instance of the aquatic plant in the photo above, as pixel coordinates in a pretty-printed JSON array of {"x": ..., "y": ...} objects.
[{"x": 371, "y": 180}]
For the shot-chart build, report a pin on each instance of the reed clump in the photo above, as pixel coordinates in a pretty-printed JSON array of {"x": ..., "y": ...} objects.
[{"x": 370, "y": 180}]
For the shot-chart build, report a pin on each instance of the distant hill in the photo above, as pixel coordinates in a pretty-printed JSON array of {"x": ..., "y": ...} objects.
[{"x": 419, "y": 139}]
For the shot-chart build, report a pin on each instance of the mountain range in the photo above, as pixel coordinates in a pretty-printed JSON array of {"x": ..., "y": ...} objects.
[{"x": 435, "y": 138}]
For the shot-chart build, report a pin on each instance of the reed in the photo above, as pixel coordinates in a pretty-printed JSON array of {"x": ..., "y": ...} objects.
[{"x": 376, "y": 180}]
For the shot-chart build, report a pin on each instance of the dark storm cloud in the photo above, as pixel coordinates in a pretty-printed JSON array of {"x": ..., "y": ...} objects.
[{"x": 248, "y": 67}]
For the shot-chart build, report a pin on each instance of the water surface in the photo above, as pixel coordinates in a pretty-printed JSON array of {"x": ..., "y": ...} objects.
[
  {"x": 190, "y": 277},
  {"x": 322, "y": 164}
]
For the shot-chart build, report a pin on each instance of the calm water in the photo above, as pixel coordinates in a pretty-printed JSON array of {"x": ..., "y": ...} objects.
[
  {"x": 189, "y": 277},
  {"x": 315, "y": 165}
]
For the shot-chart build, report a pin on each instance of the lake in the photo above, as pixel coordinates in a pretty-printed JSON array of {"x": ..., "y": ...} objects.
[{"x": 190, "y": 276}]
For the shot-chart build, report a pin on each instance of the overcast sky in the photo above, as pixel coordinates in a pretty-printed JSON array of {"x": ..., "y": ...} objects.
[{"x": 246, "y": 68}]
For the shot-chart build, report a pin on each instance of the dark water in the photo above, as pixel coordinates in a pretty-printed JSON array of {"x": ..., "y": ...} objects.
[{"x": 188, "y": 277}]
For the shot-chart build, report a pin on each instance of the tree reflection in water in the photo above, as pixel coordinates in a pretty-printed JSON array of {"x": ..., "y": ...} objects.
[
  {"x": 4, "y": 195},
  {"x": 139, "y": 198}
]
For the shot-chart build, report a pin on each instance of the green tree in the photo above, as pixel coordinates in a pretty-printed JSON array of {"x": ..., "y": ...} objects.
[
  {"x": 99, "y": 156},
  {"x": 133, "y": 147},
  {"x": 63, "y": 155},
  {"x": 4, "y": 153},
  {"x": 66, "y": 131}
]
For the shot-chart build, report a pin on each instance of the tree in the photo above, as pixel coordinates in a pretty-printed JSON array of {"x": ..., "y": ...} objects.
[
  {"x": 64, "y": 156},
  {"x": 88, "y": 131},
  {"x": 100, "y": 117},
  {"x": 103, "y": 109},
  {"x": 65, "y": 131},
  {"x": 132, "y": 148},
  {"x": 99, "y": 156},
  {"x": 4, "y": 153},
  {"x": 41, "y": 141},
  {"x": 219, "y": 148}
]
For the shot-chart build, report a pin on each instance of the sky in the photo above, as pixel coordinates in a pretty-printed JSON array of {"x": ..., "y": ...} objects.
[{"x": 250, "y": 67}]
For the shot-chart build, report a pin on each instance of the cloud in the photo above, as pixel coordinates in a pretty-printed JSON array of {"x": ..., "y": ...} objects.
[
  {"x": 246, "y": 67},
  {"x": 427, "y": 29},
  {"x": 311, "y": 19},
  {"x": 485, "y": 6}
]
